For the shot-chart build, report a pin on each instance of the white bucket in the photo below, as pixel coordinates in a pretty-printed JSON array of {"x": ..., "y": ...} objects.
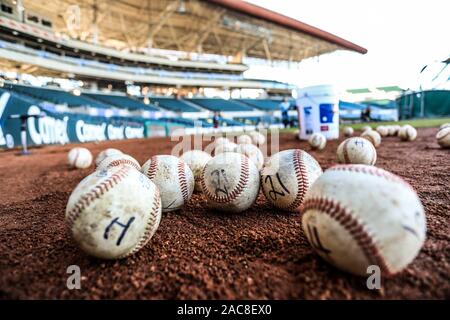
[{"x": 318, "y": 111}]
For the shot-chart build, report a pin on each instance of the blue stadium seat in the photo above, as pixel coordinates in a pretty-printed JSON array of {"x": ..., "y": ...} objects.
[
  {"x": 173, "y": 104},
  {"x": 221, "y": 104},
  {"x": 262, "y": 104},
  {"x": 119, "y": 101}
]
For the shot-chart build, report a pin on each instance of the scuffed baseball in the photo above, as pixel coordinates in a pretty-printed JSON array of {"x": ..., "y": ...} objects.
[
  {"x": 113, "y": 213},
  {"x": 174, "y": 179},
  {"x": 391, "y": 130},
  {"x": 253, "y": 153},
  {"x": 230, "y": 182},
  {"x": 80, "y": 158},
  {"x": 287, "y": 176},
  {"x": 396, "y": 129},
  {"x": 220, "y": 140},
  {"x": 443, "y": 137},
  {"x": 196, "y": 160},
  {"x": 105, "y": 154},
  {"x": 356, "y": 150},
  {"x": 407, "y": 133},
  {"x": 243, "y": 139},
  {"x": 366, "y": 128},
  {"x": 356, "y": 216},
  {"x": 348, "y": 131},
  {"x": 383, "y": 131},
  {"x": 317, "y": 141},
  {"x": 445, "y": 125},
  {"x": 373, "y": 137},
  {"x": 119, "y": 160}
]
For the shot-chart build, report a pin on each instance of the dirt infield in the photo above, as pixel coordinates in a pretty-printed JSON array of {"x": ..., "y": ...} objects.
[{"x": 197, "y": 254}]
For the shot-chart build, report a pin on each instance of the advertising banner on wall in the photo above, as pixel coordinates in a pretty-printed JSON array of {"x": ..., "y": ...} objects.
[{"x": 59, "y": 128}]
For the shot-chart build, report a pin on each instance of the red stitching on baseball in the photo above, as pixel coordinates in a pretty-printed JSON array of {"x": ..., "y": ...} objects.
[
  {"x": 95, "y": 193},
  {"x": 444, "y": 135},
  {"x": 372, "y": 171},
  {"x": 357, "y": 229},
  {"x": 149, "y": 228},
  {"x": 151, "y": 172},
  {"x": 237, "y": 191},
  {"x": 183, "y": 181},
  {"x": 302, "y": 180},
  {"x": 345, "y": 151},
  {"x": 118, "y": 162}
]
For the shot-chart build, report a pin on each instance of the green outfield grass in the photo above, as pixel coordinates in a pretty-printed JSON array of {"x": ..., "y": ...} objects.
[{"x": 417, "y": 123}]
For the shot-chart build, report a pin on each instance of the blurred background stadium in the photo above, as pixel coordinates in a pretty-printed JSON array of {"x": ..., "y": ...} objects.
[{"x": 92, "y": 70}]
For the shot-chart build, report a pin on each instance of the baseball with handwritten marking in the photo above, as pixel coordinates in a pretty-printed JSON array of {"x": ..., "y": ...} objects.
[
  {"x": 443, "y": 137},
  {"x": 196, "y": 160},
  {"x": 230, "y": 182},
  {"x": 317, "y": 141},
  {"x": 372, "y": 136},
  {"x": 174, "y": 179},
  {"x": 105, "y": 154},
  {"x": 119, "y": 160},
  {"x": 356, "y": 216},
  {"x": 287, "y": 176},
  {"x": 80, "y": 158},
  {"x": 113, "y": 213},
  {"x": 356, "y": 150}
]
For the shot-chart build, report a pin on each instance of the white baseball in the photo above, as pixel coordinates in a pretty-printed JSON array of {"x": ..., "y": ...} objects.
[
  {"x": 317, "y": 141},
  {"x": 113, "y": 213},
  {"x": 348, "y": 131},
  {"x": 196, "y": 160},
  {"x": 258, "y": 138},
  {"x": 105, "y": 154},
  {"x": 225, "y": 147},
  {"x": 253, "y": 153},
  {"x": 174, "y": 179},
  {"x": 443, "y": 137},
  {"x": 356, "y": 150},
  {"x": 286, "y": 177},
  {"x": 220, "y": 140},
  {"x": 356, "y": 216},
  {"x": 372, "y": 136},
  {"x": 407, "y": 133},
  {"x": 230, "y": 182},
  {"x": 366, "y": 128},
  {"x": 80, "y": 158},
  {"x": 445, "y": 125},
  {"x": 383, "y": 131},
  {"x": 119, "y": 160},
  {"x": 243, "y": 139},
  {"x": 391, "y": 130},
  {"x": 396, "y": 129}
]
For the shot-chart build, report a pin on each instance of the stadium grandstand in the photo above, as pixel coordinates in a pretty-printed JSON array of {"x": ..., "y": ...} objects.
[{"x": 96, "y": 70}]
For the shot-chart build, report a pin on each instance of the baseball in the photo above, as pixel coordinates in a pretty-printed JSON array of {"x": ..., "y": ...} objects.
[
  {"x": 443, "y": 137},
  {"x": 366, "y": 128},
  {"x": 196, "y": 160},
  {"x": 230, "y": 182},
  {"x": 243, "y": 139},
  {"x": 286, "y": 177},
  {"x": 119, "y": 160},
  {"x": 80, "y": 158},
  {"x": 225, "y": 147},
  {"x": 253, "y": 153},
  {"x": 105, "y": 154},
  {"x": 396, "y": 129},
  {"x": 391, "y": 130},
  {"x": 113, "y": 213},
  {"x": 348, "y": 131},
  {"x": 356, "y": 150},
  {"x": 356, "y": 216},
  {"x": 407, "y": 133},
  {"x": 173, "y": 178},
  {"x": 372, "y": 136},
  {"x": 383, "y": 131},
  {"x": 445, "y": 125},
  {"x": 220, "y": 140},
  {"x": 258, "y": 138},
  {"x": 317, "y": 141}
]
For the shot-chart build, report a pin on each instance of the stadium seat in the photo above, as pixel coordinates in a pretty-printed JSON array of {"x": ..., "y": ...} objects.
[
  {"x": 172, "y": 104},
  {"x": 221, "y": 104},
  {"x": 121, "y": 101}
]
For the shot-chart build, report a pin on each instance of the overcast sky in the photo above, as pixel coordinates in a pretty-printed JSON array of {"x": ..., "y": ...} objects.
[{"x": 401, "y": 37}]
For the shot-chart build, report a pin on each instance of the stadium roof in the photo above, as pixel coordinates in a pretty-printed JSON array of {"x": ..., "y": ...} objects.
[{"x": 224, "y": 27}]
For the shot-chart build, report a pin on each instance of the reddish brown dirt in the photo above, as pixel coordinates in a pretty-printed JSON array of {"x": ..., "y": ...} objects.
[{"x": 196, "y": 254}]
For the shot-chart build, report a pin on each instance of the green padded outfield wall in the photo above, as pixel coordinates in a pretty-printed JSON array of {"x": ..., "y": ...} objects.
[{"x": 436, "y": 104}]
